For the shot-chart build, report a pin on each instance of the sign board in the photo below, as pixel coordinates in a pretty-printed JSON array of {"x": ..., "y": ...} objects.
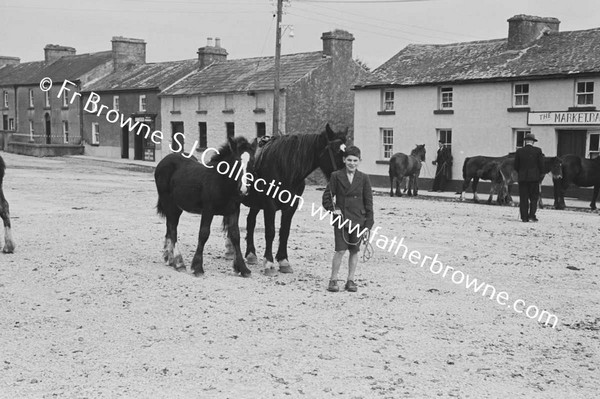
[{"x": 564, "y": 118}]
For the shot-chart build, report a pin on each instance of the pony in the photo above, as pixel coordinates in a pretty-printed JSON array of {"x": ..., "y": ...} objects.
[
  {"x": 281, "y": 165},
  {"x": 9, "y": 244},
  {"x": 208, "y": 188},
  {"x": 402, "y": 165},
  {"x": 573, "y": 169},
  {"x": 479, "y": 167}
]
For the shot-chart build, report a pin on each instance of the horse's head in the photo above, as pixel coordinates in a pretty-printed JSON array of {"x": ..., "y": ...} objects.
[
  {"x": 556, "y": 169},
  {"x": 334, "y": 145},
  {"x": 419, "y": 152},
  {"x": 238, "y": 153}
]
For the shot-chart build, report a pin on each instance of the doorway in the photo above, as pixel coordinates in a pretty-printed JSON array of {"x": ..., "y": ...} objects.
[
  {"x": 48, "y": 126},
  {"x": 125, "y": 143},
  {"x": 571, "y": 142}
]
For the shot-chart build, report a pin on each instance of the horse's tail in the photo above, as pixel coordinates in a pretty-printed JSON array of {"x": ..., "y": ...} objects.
[
  {"x": 464, "y": 168},
  {"x": 162, "y": 176},
  {"x": 2, "y": 169}
]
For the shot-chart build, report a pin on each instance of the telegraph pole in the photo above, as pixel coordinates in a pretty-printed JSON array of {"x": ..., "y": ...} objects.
[{"x": 277, "y": 70}]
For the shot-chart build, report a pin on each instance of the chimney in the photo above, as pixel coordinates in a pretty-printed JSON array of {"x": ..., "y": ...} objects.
[
  {"x": 53, "y": 52},
  {"x": 338, "y": 44},
  {"x": 4, "y": 60},
  {"x": 126, "y": 51},
  {"x": 523, "y": 30},
  {"x": 211, "y": 54}
]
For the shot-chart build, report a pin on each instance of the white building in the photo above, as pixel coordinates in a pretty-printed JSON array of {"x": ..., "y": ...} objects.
[{"x": 482, "y": 97}]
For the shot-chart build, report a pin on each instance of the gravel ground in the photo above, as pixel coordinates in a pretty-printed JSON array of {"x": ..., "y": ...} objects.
[{"x": 90, "y": 311}]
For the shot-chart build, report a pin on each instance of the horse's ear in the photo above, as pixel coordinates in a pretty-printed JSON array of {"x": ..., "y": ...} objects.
[
  {"x": 330, "y": 133},
  {"x": 232, "y": 144}
]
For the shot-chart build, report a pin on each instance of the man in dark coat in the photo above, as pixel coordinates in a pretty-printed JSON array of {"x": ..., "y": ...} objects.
[
  {"x": 443, "y": 172},
  {"x": 354, "y": 205},
  {"x": 529, "y": 163}
]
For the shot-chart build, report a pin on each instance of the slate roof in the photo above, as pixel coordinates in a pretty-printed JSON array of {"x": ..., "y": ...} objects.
[
  {"x": 555, "y": 54},
  {"x": 68, "y": 67},
  {"x": 145, "y": 76},
  {"x": 249, "y": 74}
]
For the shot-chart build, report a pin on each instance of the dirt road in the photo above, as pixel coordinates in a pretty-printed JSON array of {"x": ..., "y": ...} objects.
[{"x": 89, "y": 311}]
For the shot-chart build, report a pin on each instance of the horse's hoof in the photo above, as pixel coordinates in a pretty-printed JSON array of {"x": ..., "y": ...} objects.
[
  {"x": 9, "y": 248},
  {"x": 198, "y": 274},
  {"x": 251, "y": 259},
  {"x": 286, "y": 269},
  {"x": 246, "y": 274},
  {"x": 270, "y": 272},
  {"x": 180, "y": 269}
]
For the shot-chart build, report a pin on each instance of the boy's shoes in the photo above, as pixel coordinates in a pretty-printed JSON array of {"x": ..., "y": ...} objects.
[
  {"x": 333, "y": 287},
  {"x": 350, "y": 286}
]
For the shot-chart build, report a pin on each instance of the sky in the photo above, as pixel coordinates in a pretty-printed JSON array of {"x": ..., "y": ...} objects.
[{"x": 175, "y": 29}]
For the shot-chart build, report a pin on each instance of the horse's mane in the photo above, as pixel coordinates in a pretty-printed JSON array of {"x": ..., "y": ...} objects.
[
  {"x": 291, "y": 157},
  {"x": 225, "y": 151}
]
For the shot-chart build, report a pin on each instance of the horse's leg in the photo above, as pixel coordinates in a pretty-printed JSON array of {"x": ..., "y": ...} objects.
[
  {"x": 475, "y": 183},
  {"x": 9, "y": 244},
  {"x": 284, "y": 234},
  {"x": 171, "y": 251},
  {"x": 540, "y": 203},
  {"x": 465, "y": 185},
  {"x": 416, "y": 183},
  {"x": 392, "y": 180},
  {"x": 400, "y": 182},
  {"x": 203, "y": 234},
  {"x": 556, "y": 188},
  {"x": 595, "y": 197},
  {"x": 250, "y": 225},
  {"x": 233, "y": 233},
  {"x": 269, "y": 215},
  {"x": 492, "y": 192}
]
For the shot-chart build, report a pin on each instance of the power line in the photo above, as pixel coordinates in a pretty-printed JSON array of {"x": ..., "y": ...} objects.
[{"x": 359, "y": 1}]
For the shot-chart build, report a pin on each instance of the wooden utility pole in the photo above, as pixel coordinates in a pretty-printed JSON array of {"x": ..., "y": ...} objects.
[{"x": 277, "y": 69}]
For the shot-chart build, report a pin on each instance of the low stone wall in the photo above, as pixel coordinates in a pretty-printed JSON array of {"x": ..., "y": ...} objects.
[{"x": 44, "y": 150}]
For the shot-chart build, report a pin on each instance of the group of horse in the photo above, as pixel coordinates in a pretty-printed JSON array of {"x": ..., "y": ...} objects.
[
  {"x": 185, "y": 184},
  {"x": 566, "y": 170}
]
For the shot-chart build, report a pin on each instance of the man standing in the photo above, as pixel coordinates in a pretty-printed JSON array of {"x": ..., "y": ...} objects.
[
  {"x": 443, "y": 172},
  {"x": 529, "y": 163}
]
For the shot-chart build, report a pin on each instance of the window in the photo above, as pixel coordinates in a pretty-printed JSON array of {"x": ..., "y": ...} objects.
[
  {"x": 201, "y": 103},
  {"x": 30, "y": 98},
  {"x": 95, "y": 133},
  {"x": 5, "y": 122},
  {"x": 387, "y": 143},
  {"x": 176, "y": 104},
  {"x": 388, "y": 100},
  {"x": 521, "y": 95},
  {"x": 47, "y": 99},
  {"x": 230, "y": 127},
  {"x": 445, "y": 136},
  {"x": 519, "y": 135},
  {"x": 5, "y": 96},
  {"x": 142, "y": 103},
  {"x": 11, "y": 124},
  {"x": 203, "y": 142},
  {"x": 31, "y": 131},
  {"x": 593, "y": 145},
  {"x": 65, "y": 131},
  {"x": 260, "y": 101},
  {"x": 446, "y": 97},
  {"x": 585, "y": 93},
  {"x": 261, "y": 129},
  {"x": 65, "y": 102},
  {"x": 228, "y": 101},
  {"x": 116, "y": 103}
]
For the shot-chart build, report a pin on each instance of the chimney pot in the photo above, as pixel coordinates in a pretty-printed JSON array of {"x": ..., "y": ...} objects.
[
  {"x": 217, "y": 42},
  {"x": 127, "y": 51},
  {"x": 209, "y": 42}
]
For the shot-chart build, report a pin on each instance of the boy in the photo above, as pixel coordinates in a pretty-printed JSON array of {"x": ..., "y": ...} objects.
[{"x": 354, "y": 202}]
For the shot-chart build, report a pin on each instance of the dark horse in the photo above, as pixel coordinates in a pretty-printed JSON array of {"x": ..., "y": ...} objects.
[
  {"x": 402, "y": 165},
  {"x": 572, "y": 169},
  {"x": 211, "y": 187},
  {"x": 281, "y": 166},
  {"x": 9, "y": 244},
  {"x": 478, "y": 167}
]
